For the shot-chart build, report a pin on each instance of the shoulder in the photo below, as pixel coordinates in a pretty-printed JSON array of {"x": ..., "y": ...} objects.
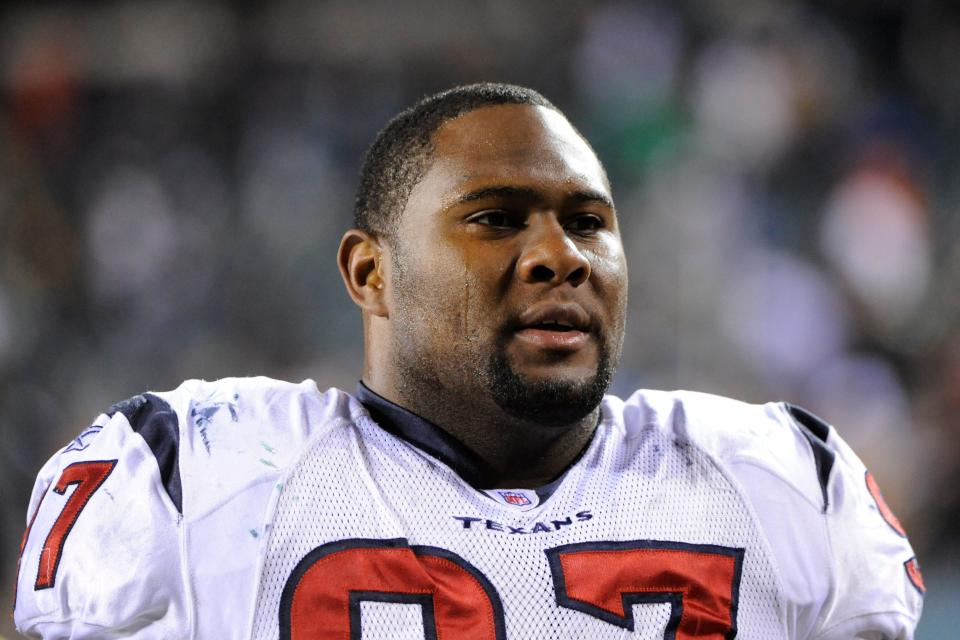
[
  {"x": 206, "y": 428},
  {"x": 105, "y": 546},
  {"x": 845, "y": 561},
  {"x": 237, "y": 432},
  {"x": 784, "y": 441},
  {"x": 210, "y": 437},
  {"x": 275, "y": 403}
]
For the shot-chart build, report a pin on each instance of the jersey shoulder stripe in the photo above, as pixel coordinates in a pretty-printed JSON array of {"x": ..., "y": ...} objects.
[
  {"x": 817, "y": 432},
  {"x": 157, "y": 423}
]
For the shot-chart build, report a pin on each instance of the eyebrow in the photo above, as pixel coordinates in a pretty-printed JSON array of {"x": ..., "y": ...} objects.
[{"x": 526, "y": 193}]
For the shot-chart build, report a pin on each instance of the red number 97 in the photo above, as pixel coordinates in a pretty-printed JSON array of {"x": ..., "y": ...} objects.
[{"x": 604, "y": 580}]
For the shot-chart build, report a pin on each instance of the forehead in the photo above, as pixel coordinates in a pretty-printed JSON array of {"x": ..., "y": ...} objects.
[{"x": 508, "y": 145}]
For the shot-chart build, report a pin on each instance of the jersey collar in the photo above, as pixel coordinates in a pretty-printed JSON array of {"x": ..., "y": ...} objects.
[
  {"x": 425, "y": 435},
  {"x": 433, "y": 440}
]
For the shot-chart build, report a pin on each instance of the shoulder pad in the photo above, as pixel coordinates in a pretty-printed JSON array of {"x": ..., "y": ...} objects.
[
  {"x": 788, "y": 444},
  {"x": 235, "y": 433}
]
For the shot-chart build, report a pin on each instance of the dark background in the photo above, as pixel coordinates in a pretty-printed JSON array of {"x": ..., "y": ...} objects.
[{"x": 175, "y": 178}]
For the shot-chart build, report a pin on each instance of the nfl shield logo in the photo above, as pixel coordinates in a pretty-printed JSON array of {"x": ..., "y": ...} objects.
[{"x": 512, "y": 497}]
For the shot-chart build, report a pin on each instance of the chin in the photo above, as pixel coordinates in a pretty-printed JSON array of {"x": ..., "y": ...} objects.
[{"x": 559, "y": 399}]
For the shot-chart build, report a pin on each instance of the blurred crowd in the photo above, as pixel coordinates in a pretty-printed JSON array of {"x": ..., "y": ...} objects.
[{"x": 175, "y": 178}]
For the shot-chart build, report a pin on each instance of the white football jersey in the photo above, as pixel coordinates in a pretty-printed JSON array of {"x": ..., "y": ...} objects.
[{"x": 252, "y": 508}]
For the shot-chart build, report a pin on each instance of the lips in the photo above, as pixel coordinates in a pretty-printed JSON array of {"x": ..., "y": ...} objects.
[
  {"x": 556, "y": 317},
  {"x": 555, "y": 326}
]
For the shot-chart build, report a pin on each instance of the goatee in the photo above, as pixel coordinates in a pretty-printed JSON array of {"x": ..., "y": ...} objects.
[{"x": 550, "y": 402}]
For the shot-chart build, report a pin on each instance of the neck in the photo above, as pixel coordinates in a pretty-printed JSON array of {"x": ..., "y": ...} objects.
[{"x": 518, "y": 453}]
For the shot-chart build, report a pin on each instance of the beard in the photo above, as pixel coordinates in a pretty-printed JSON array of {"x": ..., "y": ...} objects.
[{"x": 552, "y": 401}]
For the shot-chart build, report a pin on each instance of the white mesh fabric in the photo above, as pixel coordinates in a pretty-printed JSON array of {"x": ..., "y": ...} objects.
[
  {"x": 391, "y": 621},
  {"x": 361, "y": 482}
]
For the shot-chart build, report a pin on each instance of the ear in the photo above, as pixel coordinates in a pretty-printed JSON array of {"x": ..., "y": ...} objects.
[{"x": 360, "y": 259}]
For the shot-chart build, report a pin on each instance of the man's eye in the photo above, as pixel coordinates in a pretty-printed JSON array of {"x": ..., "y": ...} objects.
[
  {"x": 494, "y": 218},
  {"x": 585, "y": 223}
]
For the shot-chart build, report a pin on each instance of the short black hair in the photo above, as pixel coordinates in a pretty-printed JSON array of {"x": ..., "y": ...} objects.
[{"x": 398, "y": 157}]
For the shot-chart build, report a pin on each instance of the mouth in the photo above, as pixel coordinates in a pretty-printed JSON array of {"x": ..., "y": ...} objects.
[{"x": 555, "y": 327}]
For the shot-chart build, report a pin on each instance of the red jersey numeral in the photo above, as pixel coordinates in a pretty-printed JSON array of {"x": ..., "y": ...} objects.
[
  {"x": 605, "y": 579},
  {"x": 88, "y": 476},
  {"x": 322, "y": 597},
  {"x": 885, "y": 511}
]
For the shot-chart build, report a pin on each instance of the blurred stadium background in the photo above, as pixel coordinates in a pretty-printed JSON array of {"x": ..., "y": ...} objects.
[{"x": 175, "y": 178}]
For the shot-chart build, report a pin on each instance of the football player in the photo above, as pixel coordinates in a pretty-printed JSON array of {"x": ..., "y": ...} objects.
[{"x": 478, "y": 484}]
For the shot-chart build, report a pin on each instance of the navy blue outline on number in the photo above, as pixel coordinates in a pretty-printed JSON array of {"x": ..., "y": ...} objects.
[
  {"x": 919, "y": 586},
  {"x": 628, "y": 598},
  {"x": 355, "y": 598},
  {"x": 425, "y": 600}
]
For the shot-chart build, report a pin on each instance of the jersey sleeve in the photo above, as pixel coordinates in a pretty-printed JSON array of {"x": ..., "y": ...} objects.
[
  {"x": 876, "y": 586},
  {"x": 102, "y": 553}
]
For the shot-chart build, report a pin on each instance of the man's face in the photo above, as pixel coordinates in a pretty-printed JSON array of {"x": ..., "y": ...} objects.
[{"x": 509, "y": 278}]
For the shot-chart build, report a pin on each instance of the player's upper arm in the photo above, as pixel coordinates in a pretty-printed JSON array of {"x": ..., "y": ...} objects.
[
  {"x": 102, "y": 555},
  {"x": 876, "y": 591}
]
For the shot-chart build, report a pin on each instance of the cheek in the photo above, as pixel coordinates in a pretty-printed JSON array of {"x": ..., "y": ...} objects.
[
  {"x": 440, "y": 294},
  {"x": 609, "y": 273},
  {"x": 609, "y": 264},
  {"x": 454, "y": 292},
  {"x": 480, "y": 286}
]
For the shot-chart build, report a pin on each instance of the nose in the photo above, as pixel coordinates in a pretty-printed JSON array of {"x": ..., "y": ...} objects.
[{"x": 550, "y": 256}]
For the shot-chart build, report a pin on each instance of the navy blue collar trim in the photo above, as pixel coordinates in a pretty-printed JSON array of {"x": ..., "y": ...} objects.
[
  {"x": 426, "y": 436},
  {"x": 430, "y": 438}
]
